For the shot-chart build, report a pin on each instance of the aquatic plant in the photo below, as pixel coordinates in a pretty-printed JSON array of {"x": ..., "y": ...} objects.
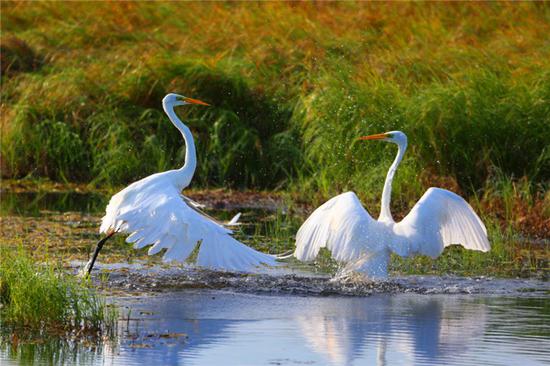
[{"x": 39, "y": 296}]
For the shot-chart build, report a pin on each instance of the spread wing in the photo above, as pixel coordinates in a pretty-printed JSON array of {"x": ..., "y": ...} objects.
[
  {"x": 341, "y": 225},
  {"x": 442, "y": 218},
  {"x": 163, "y": 219},
  {"x": 198, "y": 208}
]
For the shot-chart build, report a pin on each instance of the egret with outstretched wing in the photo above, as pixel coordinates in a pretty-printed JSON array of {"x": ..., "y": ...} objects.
[
  {"x": 441, "y": 218},
  {"x": 154, "y": 212}
]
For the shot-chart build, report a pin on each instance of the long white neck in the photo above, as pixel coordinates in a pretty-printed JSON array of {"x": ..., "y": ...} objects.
[
  {"x": 185, "y": 173},
  {"x": 385, "y": 213}
]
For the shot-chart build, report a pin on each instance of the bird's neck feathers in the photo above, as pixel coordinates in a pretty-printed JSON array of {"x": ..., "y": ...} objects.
[
  {"x": 185, "y": 173},
  {"x": 385, "y": 212}
]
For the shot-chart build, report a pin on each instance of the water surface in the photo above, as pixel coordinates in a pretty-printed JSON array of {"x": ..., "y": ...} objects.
[
  {"x": 212, "y": 327},
  {"x": 180, "y": 315}
]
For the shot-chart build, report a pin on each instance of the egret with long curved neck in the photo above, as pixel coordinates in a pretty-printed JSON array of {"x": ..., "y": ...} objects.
[
  {"x": 154, "y": 212},
  {"x": 439, "y": 219},
  {"x": 186, "y": 172}
]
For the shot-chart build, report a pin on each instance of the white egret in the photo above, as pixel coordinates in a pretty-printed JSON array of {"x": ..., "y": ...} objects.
[
  {"x": 154, "y": 212},
  {"x": 344, "y": 227}
]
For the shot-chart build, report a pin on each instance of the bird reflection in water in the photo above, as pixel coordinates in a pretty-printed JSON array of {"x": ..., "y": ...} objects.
[{"x": 417, "y": 328}]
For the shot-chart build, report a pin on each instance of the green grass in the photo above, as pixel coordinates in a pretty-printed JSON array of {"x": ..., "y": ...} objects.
[
  {"x": 469, "y": 83},
  {"x": 273, "y": 232},
  {"x": 468, "y": 131},
  {"x": 41, "y": 298}
]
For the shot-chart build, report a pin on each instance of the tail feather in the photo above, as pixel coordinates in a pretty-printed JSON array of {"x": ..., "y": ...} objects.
[{"x": 234, "y": 221}]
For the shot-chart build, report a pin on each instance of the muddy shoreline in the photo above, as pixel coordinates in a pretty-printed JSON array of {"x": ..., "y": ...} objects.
[{"x": 141, "y": 279}]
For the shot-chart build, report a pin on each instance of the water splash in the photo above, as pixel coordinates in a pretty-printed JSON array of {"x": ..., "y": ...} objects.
[{"x": 139, "y": 278}]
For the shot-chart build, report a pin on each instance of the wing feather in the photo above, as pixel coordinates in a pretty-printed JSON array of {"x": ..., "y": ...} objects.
[
  {"x": 341, "y": 225},
  {"x": 442, "y": 218},
  {"x": 158, "y": 215}
]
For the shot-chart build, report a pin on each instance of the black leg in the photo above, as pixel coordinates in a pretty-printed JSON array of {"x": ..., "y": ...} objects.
[{"x": 90, "y": 264}]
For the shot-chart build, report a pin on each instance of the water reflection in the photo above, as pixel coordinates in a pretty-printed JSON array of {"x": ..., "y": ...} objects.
[
  {"x": 52, "y": 351},
  {"x": 215, "y": 327},
  {"x": 35, "y": 203},
  {"x": 427, "y": 328}
]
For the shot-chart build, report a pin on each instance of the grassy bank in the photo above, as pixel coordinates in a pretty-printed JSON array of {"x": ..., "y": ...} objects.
[
  {"x": 469, "y": 83},
  {"x": 38, "y": 298}
]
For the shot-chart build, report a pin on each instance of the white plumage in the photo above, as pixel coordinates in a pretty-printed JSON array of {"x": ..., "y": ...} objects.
[
  {"x": 154, "y": 212},
  {"x": 439, "y": 219},
  {"x": 341, "y": 225}
]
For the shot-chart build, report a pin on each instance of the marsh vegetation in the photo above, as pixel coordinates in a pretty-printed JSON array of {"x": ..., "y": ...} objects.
[{"x": 38, "y": 298}]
